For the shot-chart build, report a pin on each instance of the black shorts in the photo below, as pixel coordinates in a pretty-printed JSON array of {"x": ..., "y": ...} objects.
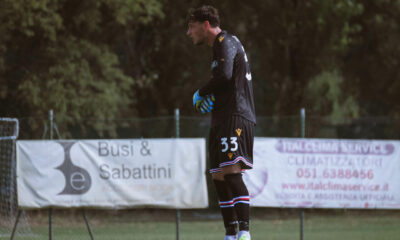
[{"x": 230, "y": 143}]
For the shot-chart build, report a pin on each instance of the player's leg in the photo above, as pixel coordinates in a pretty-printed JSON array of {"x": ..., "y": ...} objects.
[
  {"x": 241, "y": 198},
  {"x": 227, "y": 207},
  {"x": 223, "y": 190},
  {"x": 237, "y": 157},
  {"x": 239, "y": 202}
]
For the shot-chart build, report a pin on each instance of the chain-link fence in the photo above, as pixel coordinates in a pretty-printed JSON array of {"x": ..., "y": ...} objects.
[{"x": 165, "y": 127}]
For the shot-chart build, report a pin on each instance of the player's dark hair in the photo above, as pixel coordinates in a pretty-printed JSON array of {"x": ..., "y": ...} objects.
[{"x": 204, "y": 13}]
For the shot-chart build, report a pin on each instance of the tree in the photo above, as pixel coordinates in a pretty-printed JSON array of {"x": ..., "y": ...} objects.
[
  {"x": 60, "y": 55},
  {"x": 372, "y": 62},
  {"x": 124, "y": 58}
]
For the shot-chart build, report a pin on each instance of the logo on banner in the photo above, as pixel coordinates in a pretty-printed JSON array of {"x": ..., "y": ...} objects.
[
  {"x": 349, "y": 147},
  {"x": 77, "y": 179},
  {"x": 256, "y": 180}
]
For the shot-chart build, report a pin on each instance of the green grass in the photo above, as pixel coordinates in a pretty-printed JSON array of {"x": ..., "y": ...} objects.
[{"x": 342, "y": 227}]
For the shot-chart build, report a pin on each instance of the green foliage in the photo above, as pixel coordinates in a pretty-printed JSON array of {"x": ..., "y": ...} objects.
[
  {"x": 86, "y": 83},
  {"x": 326, "y": 97},
  {"x": 58, "y": 55},
  {"x": 30, "y": 17},
  {"x": 116, "y": 58},
  {"x": 372, "y": 61},
  {"x": 141, "y": 11},
  {"x": 289, "y": 42}
]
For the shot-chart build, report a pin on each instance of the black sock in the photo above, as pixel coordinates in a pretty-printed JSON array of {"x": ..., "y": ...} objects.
[
  {"x": 226, "y": 205},
  {"x": 241, "y": 199}
]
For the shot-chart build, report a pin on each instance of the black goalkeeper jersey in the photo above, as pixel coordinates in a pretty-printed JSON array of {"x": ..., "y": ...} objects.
[{"x": 230, "y": 81}]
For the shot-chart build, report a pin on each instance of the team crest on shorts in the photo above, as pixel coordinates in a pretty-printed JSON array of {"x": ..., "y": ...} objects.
[
  {"x": 230, "y": 155},
  {"x": 238, "y": 131}
]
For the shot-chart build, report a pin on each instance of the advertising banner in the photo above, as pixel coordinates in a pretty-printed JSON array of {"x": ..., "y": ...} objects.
[
  {"x": 325, "y": 173},
  {"x": 129, "y": 173}
]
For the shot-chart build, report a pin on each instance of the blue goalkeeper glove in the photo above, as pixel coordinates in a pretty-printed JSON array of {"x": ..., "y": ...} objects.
[
  {"x": 203, "y": 104},
  {"x": 207, "y": 105}
]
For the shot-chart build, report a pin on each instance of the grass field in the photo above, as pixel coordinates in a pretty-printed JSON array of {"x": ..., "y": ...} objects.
[{"x": 317, "y": 226}]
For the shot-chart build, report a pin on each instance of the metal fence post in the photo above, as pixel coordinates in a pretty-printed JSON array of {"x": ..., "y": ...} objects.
[
  {"x": 51, "y": 209},
  {"x": 87, "y": 224},
  {"x": 303, "y": 122},
  {"x": 13, "y": 166},
  {"x": 178, "y": 212},
  {"x": 303, "y": 135}
]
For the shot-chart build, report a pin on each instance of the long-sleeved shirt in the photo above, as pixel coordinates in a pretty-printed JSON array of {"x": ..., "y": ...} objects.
[{"x": 231, "y": 81}]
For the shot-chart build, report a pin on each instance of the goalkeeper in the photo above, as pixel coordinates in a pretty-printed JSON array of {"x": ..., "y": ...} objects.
[{"x": 229, "y": 97}]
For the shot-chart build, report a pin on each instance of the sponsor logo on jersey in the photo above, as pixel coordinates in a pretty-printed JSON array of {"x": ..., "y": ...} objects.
[
  {"x": 220, "y": 39},
  {"x": 248, "y": 76},
  {"x": 214, "y": 64},
  {"x": 230, "y": 155},
  {"x": 238, "y": 131}
]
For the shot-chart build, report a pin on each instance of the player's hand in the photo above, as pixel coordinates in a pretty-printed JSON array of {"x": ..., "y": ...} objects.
[
  {"x": 203, "y": 104},
  {"x": 207, "y": 105}
]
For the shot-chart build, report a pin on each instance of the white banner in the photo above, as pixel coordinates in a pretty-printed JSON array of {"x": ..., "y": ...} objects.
[
  {"x": 166, "y": 173},
  {"x": 325, "y": 173}
]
